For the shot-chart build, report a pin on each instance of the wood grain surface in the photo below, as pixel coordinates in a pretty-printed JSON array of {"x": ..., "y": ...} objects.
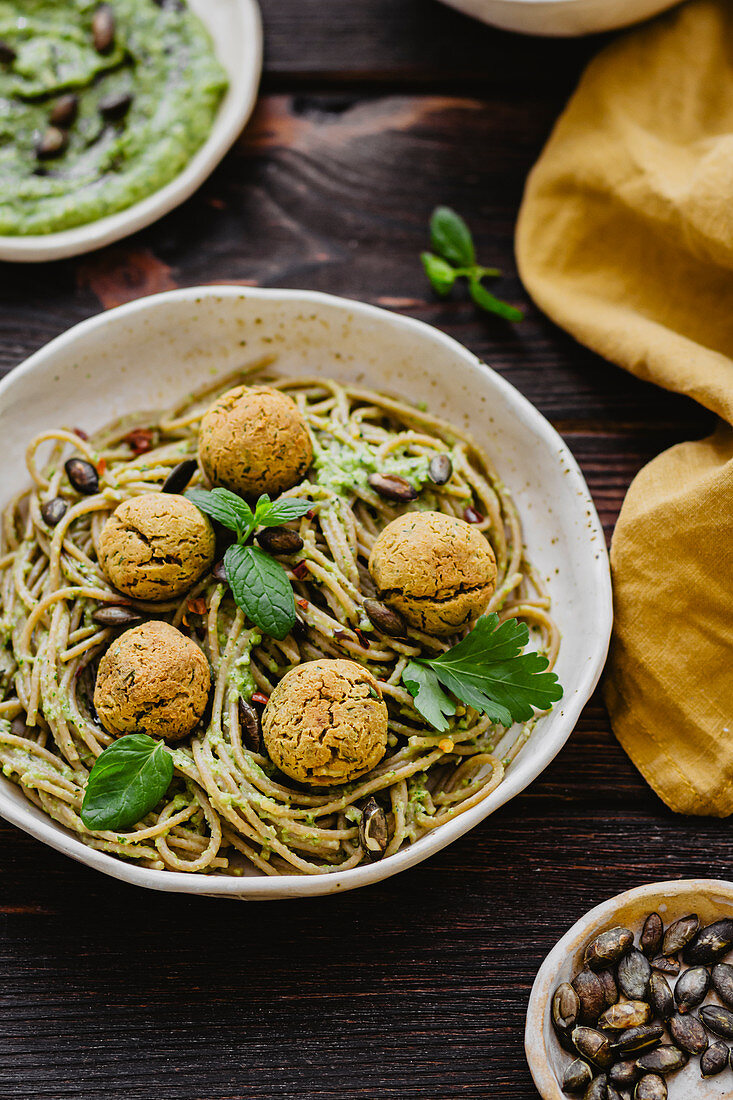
[{"x": 373, "y": 111}]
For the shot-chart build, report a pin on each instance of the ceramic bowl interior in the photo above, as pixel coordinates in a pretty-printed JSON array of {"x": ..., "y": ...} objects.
[
  {"x": 236, "y": 30},
  {"x": 557, "y": 18},
  {"x": 149, "y": 353},
  {"x": 711, "y": 899}
]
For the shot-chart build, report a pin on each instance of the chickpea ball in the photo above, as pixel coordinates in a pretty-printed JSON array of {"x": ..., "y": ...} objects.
[
  {"x": 152, "y": 680},
  {"x": 326, "y": 723},
  {"x": 155, "y": 546},
  {"x": 439, "y": 572},
  {"x": 254, "y": 440}
]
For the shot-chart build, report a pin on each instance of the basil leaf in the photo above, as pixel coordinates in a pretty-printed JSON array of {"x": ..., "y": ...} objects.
[
  {"x": 225, "y": 507},
  {"x": 430, "y": 699},
  {"x": 282, "y": 511},
  {"x": 127, "y": 781},
  {"x": 440, "y": 273},
  {"x": 487, "y": 301},
  {"x": 451, "y": 238},
  {"x": 260, "y": 586}
]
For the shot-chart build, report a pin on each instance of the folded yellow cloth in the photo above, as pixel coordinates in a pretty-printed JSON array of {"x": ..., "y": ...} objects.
[{"x": 625, "y": 238}]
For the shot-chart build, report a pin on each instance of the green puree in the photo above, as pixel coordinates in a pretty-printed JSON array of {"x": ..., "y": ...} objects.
[{"x": 161, "y": 55}]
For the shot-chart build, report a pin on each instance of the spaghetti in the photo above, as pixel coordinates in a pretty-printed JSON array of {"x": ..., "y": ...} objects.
[{"x": 228, "y": 809}]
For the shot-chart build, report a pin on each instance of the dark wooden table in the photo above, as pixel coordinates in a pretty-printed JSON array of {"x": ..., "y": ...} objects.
[{"x": 372, "y": 112}]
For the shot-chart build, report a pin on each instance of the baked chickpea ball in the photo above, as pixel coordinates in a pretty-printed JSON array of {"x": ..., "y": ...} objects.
[
  {"x": 155, "y": 546},
  {"x": 254, "y": 440},
  {"x": 152, "y": 680},
  {"x": 326, "y": 723},
  {"x": 439, "y": 572}
]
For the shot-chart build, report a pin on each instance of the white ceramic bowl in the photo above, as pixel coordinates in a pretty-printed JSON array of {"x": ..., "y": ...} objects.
[
  {"x": 147, "y": 354},
  {"x": 236, "y": 29},
  {"x": 559, "y": 18},
  {"x": 708, "y": 897}
]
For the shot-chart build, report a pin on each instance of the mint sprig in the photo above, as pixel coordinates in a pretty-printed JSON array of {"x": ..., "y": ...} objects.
[
  {"x": 259, "y": 584},
  {"x": 454, "y": 256},
  {"x": 127, "y": 781},
  {"x": 488, "y": 671}
]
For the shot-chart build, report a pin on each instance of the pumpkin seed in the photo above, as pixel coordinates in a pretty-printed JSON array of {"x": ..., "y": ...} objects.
[
  {"x": 652, "y": 934},
  {"x": 666, "y": 965},
  {"x": 82, "y": 476},
  {"x": 593, "y": 1045},
  {"x": 665, "y": 1059},
  {"x": 219, "y": 572},
  {"x": 597, "y": 1089},
  {"x": 577, "y": 1077},
  {"x": 691, "y": 988},
  {"x": 392, "y": 487},
  {"x": 112, "y": 614},
  {"x": 53, "y": 511},
  {"x": 722, "y": 978},
  {"x": 440, "y": 469},
  {"x": 634, "y": 972},
  {"x": 710, "y": 943},
  {"x": 373, "y": 835},
  {"x": 638, "y": 1038},
  {"x": 719, "y": 1020},
  {"x": 688, "y": 1033},
  {"x": 608, "y": 948},
  {"x": 385, "y": 619},
  {"x": 624, "y": 1074},
  {"x": 52, "y": 143},
  {"x": 714, "y": 1059},
  {"x": 114, "y": 107},
  {"x": 660, "y": 996},
  {"x": 625, "y": 1014},
  {"x": 565, "y": 1007},
  {"x": 650, "y": 1087},
  {"x": 610, "y": 989},
  {"x": 103, "y": 28},
  {"x": 679, "y": 934},
  {"x": 279, "y": 540},
  {"x": 64, "y": 110},
  {"x": 592, "y": 998},
  {"x": 249, "y": 720},
  {"x": 7, "y": 53},
  {"x": 179, "y": 476}
]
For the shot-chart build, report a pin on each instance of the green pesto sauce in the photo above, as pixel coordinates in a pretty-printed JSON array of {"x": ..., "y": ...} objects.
[
  {"x": 162, "y": 56},
  {"x": 342, "y": 467}
]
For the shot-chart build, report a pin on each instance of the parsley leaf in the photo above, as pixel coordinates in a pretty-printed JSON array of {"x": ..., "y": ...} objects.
[
  {"x": 440, "y": 273},
  {"x": 281, "y": 511},
  {"x": 487, "y": 670},
  {"x": 261, "y": 588},
  {"x": 486, "y": 300},
  {"x": 451, "y": 238},
  {"x": 127, "y": 781},
  {"x": 430, "y": 699}
]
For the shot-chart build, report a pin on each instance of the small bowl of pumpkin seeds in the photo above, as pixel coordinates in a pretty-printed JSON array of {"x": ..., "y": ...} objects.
[{"x": 635, "y": 1002}]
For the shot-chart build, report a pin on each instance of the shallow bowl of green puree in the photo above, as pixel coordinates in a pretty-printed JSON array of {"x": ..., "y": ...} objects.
[{"x": 148, "y": 103}]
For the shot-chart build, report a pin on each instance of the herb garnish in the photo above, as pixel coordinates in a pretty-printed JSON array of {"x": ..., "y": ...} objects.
[
  {"x": 487, "y": 670},
  {"x": 126, "y": 782},
  {"x": 454, "y": 256},
  {"x": 259, "y": 584}
]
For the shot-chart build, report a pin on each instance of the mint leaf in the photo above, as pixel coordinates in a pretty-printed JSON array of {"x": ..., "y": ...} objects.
[
  {"x": 440, "y": 273},
  {"x": 485, "y": 300},
  {"x": 451, "y": 238},
  {"x": 488, "y": 666},
  {"x": 430, "y": 699},
  {"x": 126, "y": 782},
  {"x": 281, "y": 511},
  {"x": 261, "y": 588},
  {"x": 225, "y": 507}
]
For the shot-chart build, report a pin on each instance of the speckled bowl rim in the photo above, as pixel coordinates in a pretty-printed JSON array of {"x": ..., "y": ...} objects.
[
  {"x": 244, "y": 66},
  {"x": 590, "y": 924},
  {"x": 546, "y": 747}
]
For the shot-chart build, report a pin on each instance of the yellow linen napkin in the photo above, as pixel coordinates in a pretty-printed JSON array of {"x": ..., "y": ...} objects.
[{"x": 625, "y": 239}]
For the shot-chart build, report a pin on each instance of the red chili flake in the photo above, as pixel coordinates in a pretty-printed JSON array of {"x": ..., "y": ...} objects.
[
  {"x": 310, "y": 514},
  {"x": 197, "y": 606},
  {"x": 471, "y": 515},
  {"x": 140, "y": 440},
  {"x": 81, "y": 433},
  {"x": 101, "y": 466},
  {"x": 303, "y": 604},
  {"x": 363, "y": 641},
  {"x": 258, "y": 697},
  {"x": 301, "y": 570}
]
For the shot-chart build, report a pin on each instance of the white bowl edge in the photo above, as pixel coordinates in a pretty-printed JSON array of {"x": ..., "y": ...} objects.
[
  {"x": 561, "y": 18},
  {"x": 414, "y": 334},
  {"x": 236, "y": 27}
]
